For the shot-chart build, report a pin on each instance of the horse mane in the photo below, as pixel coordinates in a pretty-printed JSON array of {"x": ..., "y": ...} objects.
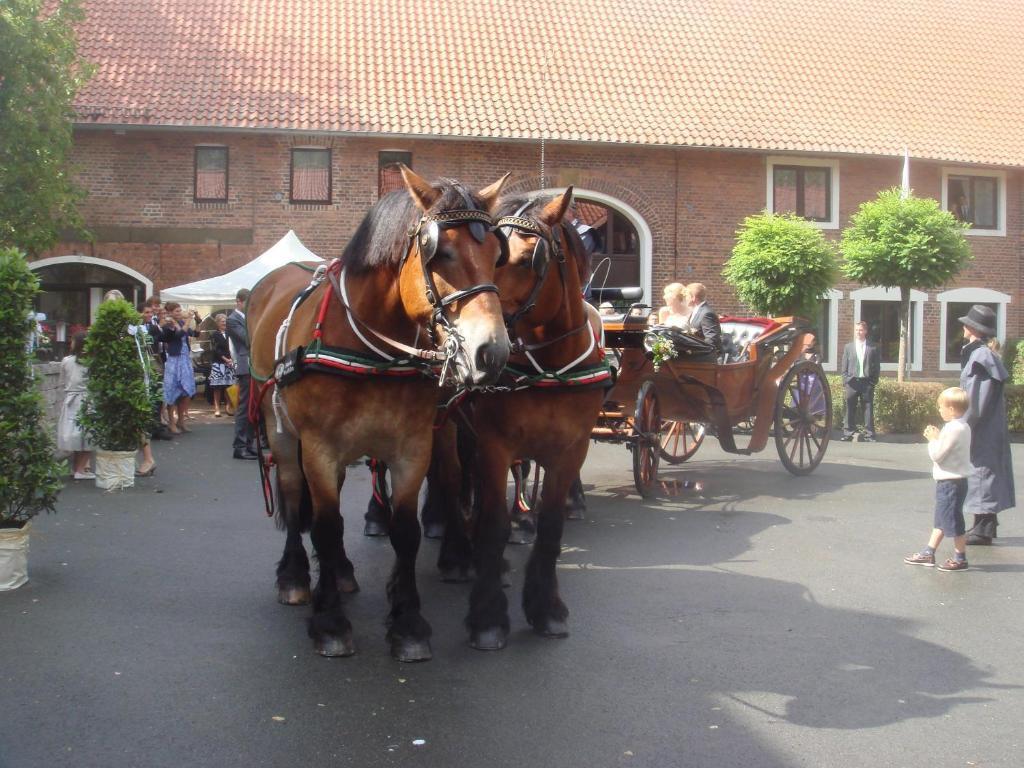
[
  {"x": 509, "y": 205},
  {"x": 382, "y": 238}
]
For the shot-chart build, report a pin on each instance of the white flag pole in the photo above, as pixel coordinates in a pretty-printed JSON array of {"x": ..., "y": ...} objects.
[{"x": 905, "y": 181}]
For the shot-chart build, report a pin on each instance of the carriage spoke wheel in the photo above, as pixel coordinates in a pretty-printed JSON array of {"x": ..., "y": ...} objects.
[
  {"x": 803, "y": 417},
  {"x": 680, "y": 440},
  {"x": 646, "y": 445}
]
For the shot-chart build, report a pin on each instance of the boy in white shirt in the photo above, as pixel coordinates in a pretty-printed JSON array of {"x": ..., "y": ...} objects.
[{"x": 950, "y": 452}]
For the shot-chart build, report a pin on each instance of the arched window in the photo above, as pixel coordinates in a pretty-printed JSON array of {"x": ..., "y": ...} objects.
[{"x": 617, "y": 241}]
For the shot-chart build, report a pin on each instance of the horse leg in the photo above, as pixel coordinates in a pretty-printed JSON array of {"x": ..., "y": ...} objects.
[
  {"x": 439, "y": 495},
  {"x": 378, "y": 510},
  {"x": 329, "y": 628},
  {"x": 408, "y": 632},
  {"x": 294, "y": 514},
  {"x": 576, "y": 506},
  {"x": 542, "y": 604},
  {"x": 488, "y": 607},
  {"x": 447, "y": 488},
  {"x": 524, "y": 526}
]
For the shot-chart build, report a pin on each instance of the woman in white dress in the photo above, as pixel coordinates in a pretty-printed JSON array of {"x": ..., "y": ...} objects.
[
  {"x": 69, "y": 435},
  {"x": 676, "y": 311}
]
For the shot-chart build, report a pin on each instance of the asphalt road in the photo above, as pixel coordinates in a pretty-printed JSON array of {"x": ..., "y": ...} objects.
[{"x": 766, "y": 622}]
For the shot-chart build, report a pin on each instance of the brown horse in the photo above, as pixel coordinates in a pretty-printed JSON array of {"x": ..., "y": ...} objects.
[
  {"x": 419, "y": 267},
  {"x": 554, "y": 389}
]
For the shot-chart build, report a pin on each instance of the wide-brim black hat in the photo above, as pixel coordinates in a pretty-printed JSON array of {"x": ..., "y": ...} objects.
[{"x": 981, "y": 320}]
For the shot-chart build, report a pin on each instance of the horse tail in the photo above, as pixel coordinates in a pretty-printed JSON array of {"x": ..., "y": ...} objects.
[{"x": 289, "y": 516}]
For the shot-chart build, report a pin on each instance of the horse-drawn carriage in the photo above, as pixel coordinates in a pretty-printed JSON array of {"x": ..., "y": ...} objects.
[{"x": 662, "y": 405}]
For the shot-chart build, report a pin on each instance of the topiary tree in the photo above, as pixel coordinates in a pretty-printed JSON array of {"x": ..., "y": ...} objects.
[
  {"x": 30, "y": 476},
  {"x": 904, "y": 243},
  {"x": 116, "y": 410},
  {"x": 781, "y": 264}
]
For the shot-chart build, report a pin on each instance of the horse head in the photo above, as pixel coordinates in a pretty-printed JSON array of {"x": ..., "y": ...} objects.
[
  {"x": 447, "y": 277},
  {"x": 541, "y": 243}
]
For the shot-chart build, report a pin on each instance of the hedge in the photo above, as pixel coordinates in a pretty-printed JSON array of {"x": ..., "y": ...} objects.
[{"x": 910, "y": 407}]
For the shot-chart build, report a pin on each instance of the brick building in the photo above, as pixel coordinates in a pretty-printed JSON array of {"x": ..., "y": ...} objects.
[{"x": 212, "y": 128}]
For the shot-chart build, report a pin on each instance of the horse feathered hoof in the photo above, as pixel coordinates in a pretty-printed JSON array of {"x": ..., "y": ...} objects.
[
  {"x": 493, "y": 639},
  {"x": 576, "y": 510},
  {"x": 433, "y": 530},
  {"x": 332, "y": 646},
  {"x": 553, "y": 629},
  {"x": 410, "y": 650},
  {"x": 374, "y": 528},
  {"x": 294, "y": 595},
  {"x": 523, "y": 530}
]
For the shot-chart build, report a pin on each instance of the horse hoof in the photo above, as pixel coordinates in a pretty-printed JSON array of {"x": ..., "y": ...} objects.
[
  {"x": 493, "y": 639},
  {"x": 433, "y": 531},
  {"x": 553, "y": 629},
  {"x": 519, "y": 536},
  {"x": 410, "y": 650},
  {"x": 576, "y": 512},
  {"x": 293, "y": 595},
  {"x": 348, "y": 585},
  {"x": 374, "y": 528},
  {"x": 332, "y": 647}
]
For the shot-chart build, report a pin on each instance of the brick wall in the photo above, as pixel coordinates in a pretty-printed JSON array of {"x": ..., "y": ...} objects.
[{"x": 141, "y": 205}]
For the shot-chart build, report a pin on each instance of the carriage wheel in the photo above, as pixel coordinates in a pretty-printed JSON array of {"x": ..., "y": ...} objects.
[
  {"x": 803, "y": 417},
  {"x": 680, "y": 440},
  {"x": 646, "y": 440}
]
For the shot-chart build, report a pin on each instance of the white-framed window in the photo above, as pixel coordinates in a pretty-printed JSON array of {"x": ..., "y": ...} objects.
[
  {"x": 880, "y": 309},
  {"x": 955, "y": 304},
  {"x": 826, "y": 327},
  {"x": 977, "y": 197},
  {"x": 808, "y": 187}
]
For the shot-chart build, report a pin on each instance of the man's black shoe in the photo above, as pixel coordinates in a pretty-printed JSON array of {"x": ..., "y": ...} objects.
[
  {"x": 868, "y": 439},
  {"x": 245, "y": 455},
  {"x": 846, "y": 438},
  {"x": 162, "y": 433}
]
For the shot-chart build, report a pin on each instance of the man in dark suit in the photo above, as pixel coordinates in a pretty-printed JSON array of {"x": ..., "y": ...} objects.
[
  {"x": 860, "y": 368},
  {"x": 238, "y": 337},
  {"x": 703, "y": 319}
]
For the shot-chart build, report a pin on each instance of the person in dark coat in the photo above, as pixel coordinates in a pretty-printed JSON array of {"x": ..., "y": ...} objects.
[
  {"x": 860, "y": 368},
  {"x": 990, "y": 487},
  {"x": 703, "y": 319},
  {"x": 238, "y": 334}
]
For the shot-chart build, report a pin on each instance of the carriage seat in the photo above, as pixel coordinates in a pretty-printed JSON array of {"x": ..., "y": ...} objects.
[{"x": 737, "y": 336}]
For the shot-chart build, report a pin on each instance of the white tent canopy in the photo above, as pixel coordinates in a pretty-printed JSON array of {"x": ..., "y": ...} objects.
[{"x": 215, "y": 291}]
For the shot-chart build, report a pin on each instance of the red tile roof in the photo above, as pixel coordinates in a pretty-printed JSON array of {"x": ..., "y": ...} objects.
[{"x": 942, "y": 77}]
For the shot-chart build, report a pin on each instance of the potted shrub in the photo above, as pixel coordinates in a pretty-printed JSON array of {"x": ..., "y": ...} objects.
[
  {"x": 30, "y": 475},
  {"x": 116, "y": 410}
]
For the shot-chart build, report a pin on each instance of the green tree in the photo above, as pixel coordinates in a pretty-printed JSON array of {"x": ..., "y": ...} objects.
[
  {"x": 117, "y": 410},
  {"x": 904, "y": 243},
  {"x": 781, "y": 265},
  {"x": 40, "y": 73},
  {"x": 30, "y": 477}
]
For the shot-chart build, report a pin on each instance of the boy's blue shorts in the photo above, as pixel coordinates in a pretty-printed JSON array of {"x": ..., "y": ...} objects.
[{"x": 949, "y": 506}]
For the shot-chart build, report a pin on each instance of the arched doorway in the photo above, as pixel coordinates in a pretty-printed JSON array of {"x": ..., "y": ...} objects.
[
  {"x": 73, "y": 287},
  {"x": 623, "y": 257}
]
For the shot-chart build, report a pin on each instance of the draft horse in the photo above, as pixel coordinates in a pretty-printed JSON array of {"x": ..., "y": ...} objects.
[
  {"x": 350, "y": 361},
  {"x": 544, "y": 409}
]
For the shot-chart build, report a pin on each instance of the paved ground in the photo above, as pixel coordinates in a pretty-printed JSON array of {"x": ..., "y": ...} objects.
[{"x": 768, "y": 622}]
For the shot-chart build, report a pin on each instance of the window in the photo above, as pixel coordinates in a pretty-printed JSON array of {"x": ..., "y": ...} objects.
[
  {"x": 617, "y": 242},
  {"x": 880, "y": 309},
  {"x": 977, "y": 198},
  {"x": 955, "y": 304},
  {"x": 311, "y": 176},
  {"x": 210, "y": 181},
  {"x": 389, "y": 177},
  {"x": 808, "y": 188}
]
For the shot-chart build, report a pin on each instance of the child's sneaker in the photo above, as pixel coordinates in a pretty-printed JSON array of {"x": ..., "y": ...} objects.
[
  {"x": 920, "y": 558},
  {"x": 953, "y": 565}
]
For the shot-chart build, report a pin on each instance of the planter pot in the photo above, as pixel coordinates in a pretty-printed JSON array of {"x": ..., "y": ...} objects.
[
  {"x": 13, "y": 557},
  {"x": 115, "y": 470}
]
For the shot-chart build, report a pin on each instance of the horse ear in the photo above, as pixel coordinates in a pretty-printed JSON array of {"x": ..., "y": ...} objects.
[
  {"x": 490, "y": 194},
  {"x": 555, "y": 210},
  {"x": 422, "y": 192}
]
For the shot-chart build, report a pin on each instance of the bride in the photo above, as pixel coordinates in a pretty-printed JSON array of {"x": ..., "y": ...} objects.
[{"x": 676, "y": 311}]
